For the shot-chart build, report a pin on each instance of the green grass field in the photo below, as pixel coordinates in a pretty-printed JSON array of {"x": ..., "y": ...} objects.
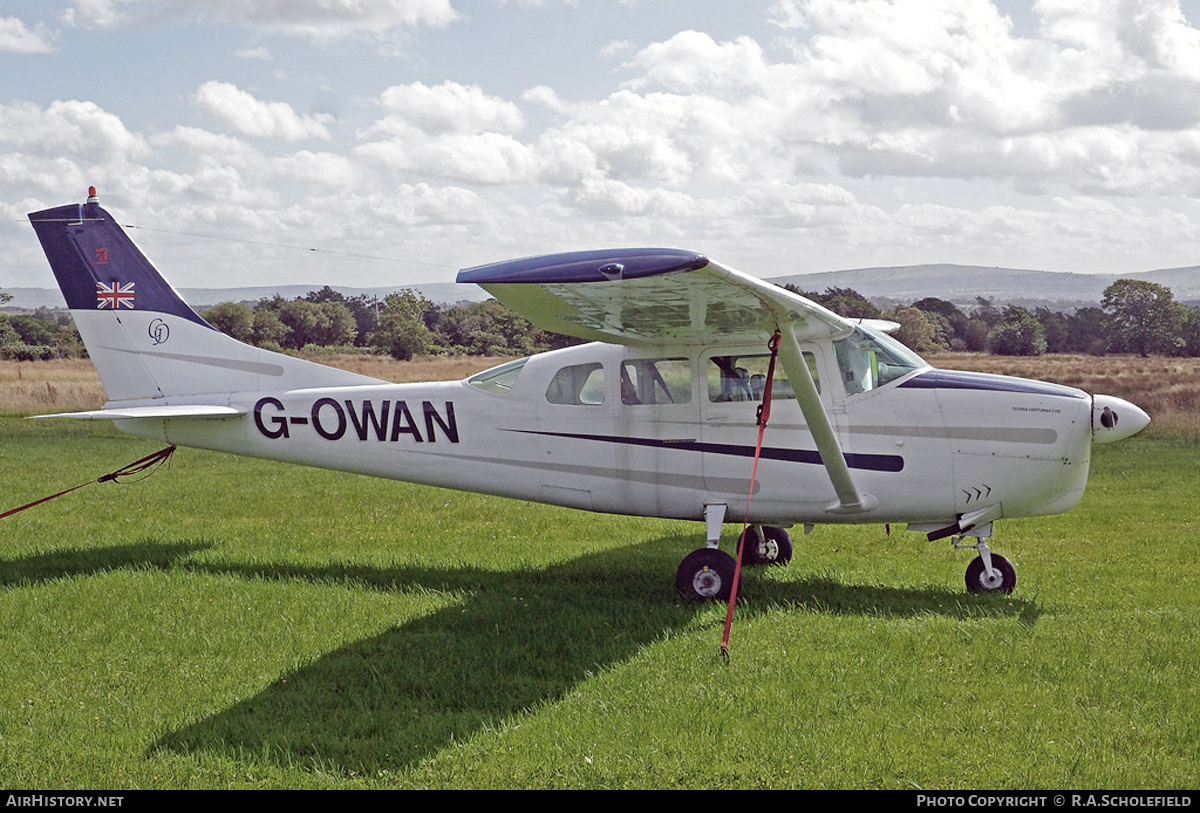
[{"x": 235, "y": 623}]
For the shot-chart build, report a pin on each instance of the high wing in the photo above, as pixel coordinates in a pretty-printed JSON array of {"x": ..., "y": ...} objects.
[
  {"x": 650, "y": 297},
  {"x": 661, "y": 297}
]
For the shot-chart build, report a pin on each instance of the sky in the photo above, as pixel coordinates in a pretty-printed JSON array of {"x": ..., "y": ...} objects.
[{"x": 391, "y": 142}]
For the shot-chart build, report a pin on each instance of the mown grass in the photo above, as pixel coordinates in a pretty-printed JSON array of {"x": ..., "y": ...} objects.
[
  {"x": 240, "y": 623},
  {"x": 235, "y": 623}
]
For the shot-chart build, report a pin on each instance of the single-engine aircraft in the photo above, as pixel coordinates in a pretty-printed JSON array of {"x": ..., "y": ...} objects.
[{"x": 655, "y": 417}]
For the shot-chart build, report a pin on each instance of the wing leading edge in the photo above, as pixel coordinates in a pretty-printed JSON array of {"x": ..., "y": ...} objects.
[{"x": 662, "y": 297}]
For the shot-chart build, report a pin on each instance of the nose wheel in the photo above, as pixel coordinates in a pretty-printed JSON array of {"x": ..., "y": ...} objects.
[{"x": 1001, "y": 579}]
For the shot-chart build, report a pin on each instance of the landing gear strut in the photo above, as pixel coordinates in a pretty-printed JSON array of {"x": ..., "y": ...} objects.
[{"x": 765, "y": 545}]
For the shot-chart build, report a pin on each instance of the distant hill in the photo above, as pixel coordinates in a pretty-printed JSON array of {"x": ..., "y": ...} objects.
[
  {"x": 961, "y": 284},
  {"x": 446, "y": 293}
]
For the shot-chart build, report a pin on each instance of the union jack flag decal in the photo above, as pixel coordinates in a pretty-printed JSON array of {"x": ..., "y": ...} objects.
[{"x": 114, "y": 295}]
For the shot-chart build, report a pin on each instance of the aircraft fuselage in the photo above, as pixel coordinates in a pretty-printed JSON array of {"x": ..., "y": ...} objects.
[{"x": 571, "y": 428}]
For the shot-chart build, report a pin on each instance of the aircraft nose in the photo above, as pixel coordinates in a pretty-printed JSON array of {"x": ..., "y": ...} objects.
[{"x": 1115, "y": 418}]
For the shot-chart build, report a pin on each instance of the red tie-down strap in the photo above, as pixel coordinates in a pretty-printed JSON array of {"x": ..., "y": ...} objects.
[
  {"x": 145, "y": 467},
  {"x": 764, "y": 415}
]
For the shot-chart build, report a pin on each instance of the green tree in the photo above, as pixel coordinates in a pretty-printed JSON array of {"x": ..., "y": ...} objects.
[
  {"x": 1085, "y": 332},
  {"x": 1017, "y": 333},
  {"x": 916, "y": 331},
  {"x": 1191, "y": 332},
  {"x": 401, "y": 331},
  {"x": 1143, "y": 317},
  {"x": 327, "y": 324},
  {"x": 233, "y": 319},
  {"x": 33, "y": 330},
  {"x": 361, "y": 307},
  {"x": 269, "y": 331}
]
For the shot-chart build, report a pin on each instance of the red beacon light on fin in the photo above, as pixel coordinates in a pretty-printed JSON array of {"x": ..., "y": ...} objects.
[{"x": 92, "y": 195}]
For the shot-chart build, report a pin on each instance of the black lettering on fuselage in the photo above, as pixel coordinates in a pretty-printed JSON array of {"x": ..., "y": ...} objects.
[
  {"x": 406, "y": 428},
  {"x": 340, "y": 428},
  {"x": 280, "y": 422},
  {"x": 431, "y": 417},
  {"x": 330, "y": 419},
  {"x": 369, "y": 419}
]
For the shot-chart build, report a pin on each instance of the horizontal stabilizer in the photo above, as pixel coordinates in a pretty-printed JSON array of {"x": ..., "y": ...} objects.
[{"x": 177, "y": 411}]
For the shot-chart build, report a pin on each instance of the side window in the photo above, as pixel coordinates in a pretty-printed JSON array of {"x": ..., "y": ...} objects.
[
  {"x": 744, "y": 378},
  {"x": 579, "y": 384},
  {"x": 656, "y": 381}
]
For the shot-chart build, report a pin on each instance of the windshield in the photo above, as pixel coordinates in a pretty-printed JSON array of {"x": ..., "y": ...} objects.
[
  {"x": 498, "y": 380},
  {"x": 870, "y": 359}
]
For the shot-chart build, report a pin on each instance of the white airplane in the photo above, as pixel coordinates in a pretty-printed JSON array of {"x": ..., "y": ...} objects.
[{"x": 656, "y": 417}]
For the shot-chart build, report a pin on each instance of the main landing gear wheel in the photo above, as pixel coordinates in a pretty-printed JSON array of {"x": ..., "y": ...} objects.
[
  {"x": 765, "y": 545},
  {"x": 1003, "y": 580},
  {"x": 705, "y": 574}
]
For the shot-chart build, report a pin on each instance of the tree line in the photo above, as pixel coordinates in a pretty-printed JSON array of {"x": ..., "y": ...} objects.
[
  {"x": 403, "y": 324},
  {"x": 1134, "y": 316}
]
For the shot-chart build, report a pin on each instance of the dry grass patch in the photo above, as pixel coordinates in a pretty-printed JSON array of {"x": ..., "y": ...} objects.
[
  {"x": 59, "y": 385},
  {"x": 423, "y": 368},
  {"x": 72, "y": 385}
]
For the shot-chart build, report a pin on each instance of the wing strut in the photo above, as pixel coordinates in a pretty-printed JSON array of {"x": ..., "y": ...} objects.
[{"x": 850, "y": 501}]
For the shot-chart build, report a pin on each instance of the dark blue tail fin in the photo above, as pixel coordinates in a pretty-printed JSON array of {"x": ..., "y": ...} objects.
[
  {"x": 98, "y": 267},
  {"x": 143, "y": 338}
]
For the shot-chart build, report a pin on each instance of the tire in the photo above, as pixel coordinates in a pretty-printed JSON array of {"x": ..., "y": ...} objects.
[
  {"x": 1005, "y": 576},
  {"x": 705, "y": 575},
  {"x": 766, "y": 545}
]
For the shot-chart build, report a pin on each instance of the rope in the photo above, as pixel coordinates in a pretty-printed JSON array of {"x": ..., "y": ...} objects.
[
  {"x": 764, "y": 415},
  {"x": 145, "y": 467}
]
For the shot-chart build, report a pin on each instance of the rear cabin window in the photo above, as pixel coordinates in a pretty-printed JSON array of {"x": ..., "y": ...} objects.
[
  {"x": 656, "y": 381},
  {"x": 577, "y": 385},
  {"x": 744, "y": 378}
]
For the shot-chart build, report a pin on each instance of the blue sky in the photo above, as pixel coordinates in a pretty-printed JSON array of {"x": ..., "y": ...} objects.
[{"x": 405, "y": 139}]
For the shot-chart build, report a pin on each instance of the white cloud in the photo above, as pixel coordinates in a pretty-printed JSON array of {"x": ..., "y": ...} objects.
[
  {"x": 76, "y": 130},
  {"x": 448, "y": 108},
  {"x": 693, "y": 61},
  {"x": 259, "y": 52},
  {"x": 856, "y": 132},
  {"x": 16, "y": 38},
  {"x": 317, "y": 18},
  {"x": 239, "y": 110},
  {"x": 481, "y": 158}
]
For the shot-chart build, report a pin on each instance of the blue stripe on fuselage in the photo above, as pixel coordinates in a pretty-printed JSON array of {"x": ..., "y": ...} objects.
[
  {"x": 961, "y": 380},
  {"x": 869, "y": 462}
]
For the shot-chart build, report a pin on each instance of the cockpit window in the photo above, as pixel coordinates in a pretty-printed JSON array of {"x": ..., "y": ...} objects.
[
  {"x": 579, "y": 384},
  {"x": 744, "y": 378},
  {"x": 656, "y": 381},
  {"x": 498, "y": 380},
  {"x": 870, "y": 359}
]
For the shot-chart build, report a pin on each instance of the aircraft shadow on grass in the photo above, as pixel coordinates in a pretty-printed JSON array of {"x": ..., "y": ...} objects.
[
  {"x": 40, "y": 568},
  {"x": 520, "y": 639}
]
